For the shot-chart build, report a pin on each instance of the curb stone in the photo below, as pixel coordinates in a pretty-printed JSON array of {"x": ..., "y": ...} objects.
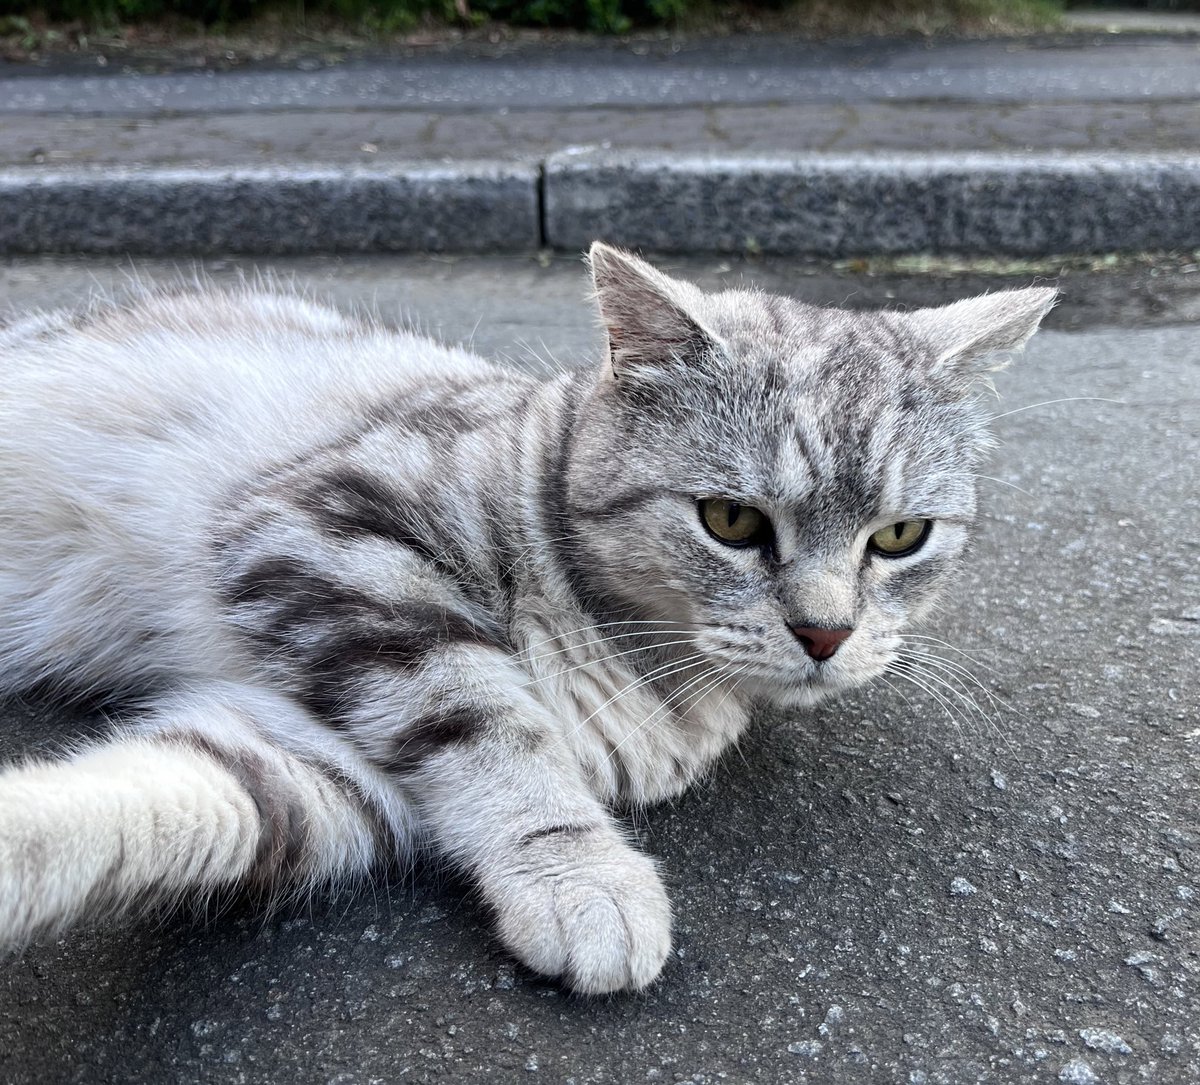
[
  {"x": 464, "y": 207},
  {"x": 819, "y": 205},
  {"x": 875, "y": 204}
]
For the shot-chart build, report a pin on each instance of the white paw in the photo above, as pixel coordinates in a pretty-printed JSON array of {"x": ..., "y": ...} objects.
[{"x": 585, "y": 907}]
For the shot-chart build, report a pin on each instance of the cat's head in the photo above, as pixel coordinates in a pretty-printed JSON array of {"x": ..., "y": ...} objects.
[{"x": 788, "y": 486}]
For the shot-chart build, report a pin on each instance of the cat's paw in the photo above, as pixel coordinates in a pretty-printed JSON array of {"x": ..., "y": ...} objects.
[{"x": 586, "y": 908}]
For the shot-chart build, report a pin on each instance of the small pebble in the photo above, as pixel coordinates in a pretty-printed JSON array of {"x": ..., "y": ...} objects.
[
  {"x": 808, "y": 1048},
  {"x": 1099, "y": 1039},
  {"x": 1078, "y": 1072}
]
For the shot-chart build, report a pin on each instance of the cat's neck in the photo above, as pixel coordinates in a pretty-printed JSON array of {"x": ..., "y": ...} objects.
[{"x": 644, "y": 712}]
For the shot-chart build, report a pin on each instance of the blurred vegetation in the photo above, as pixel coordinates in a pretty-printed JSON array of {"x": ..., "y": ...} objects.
[
  {"x": 1138, "y": 5},
  {"x": 604, "y": 16}
]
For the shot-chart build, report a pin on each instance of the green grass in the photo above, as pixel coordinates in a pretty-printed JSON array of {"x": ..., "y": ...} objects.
[{"x": 602, "y": 16}]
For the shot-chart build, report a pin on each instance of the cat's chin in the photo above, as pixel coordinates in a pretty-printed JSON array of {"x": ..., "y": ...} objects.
[
  {"x": 809, "y": 690},
  {"x": 803, "y": 694}
]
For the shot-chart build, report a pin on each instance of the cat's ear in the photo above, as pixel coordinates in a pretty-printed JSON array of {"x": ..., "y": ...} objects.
[
  {"x": 968, "y": 335},
  {"x": 648, "y": 316}
]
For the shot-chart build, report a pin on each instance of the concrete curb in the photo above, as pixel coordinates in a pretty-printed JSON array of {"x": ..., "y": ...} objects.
[
  {"x": 466, "y": 207},
  {"x": 812, "y": 204},
  {"x": 876, "y": 204}
]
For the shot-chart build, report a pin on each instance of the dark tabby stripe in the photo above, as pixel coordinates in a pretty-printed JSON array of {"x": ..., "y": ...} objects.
[
  {"x": 351, "y": 503},
  {"x": 566, "y": 832},
  {"x": 504, "y": 553},
  {"x": 619, "y": 505},
  {"x": 381, "y": 830},
  {"x": 291, "y": 594},
  {"x": 561, "y": 531},
  {"x": 336, "y": 665},
  {"x": 433, "y": 732},
  {"x": 283, "y": 836},
  {"x": 914, "y": 581},
  {"x": 331, "y": 636}
]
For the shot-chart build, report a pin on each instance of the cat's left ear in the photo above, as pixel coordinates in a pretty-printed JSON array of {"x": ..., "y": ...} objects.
[
  {"x": 650, "y": 318},
  {"x": 968, "y": 335}
]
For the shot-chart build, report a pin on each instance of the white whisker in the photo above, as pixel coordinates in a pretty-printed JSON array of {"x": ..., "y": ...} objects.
[
  {"x": 909, "y": 676},
  {"x": 658, "y": 673},
  {"x": 947, "y": 645},
  {"x": 1005, "y": 482},
  {"x": 712, "y": 683},
  {"x": 1051, "y": 402},
  {"x": 664, "y": 627},
  {"x": 948, "y": 665},
  {"x": 608, "y": 658}
]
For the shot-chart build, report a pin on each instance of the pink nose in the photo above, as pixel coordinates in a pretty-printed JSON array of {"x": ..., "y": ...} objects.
[{"x": 819, "y": 643}]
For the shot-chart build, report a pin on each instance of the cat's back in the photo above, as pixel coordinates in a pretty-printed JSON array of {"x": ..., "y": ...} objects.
[
  {"x": 272, "y": 367},
  {"x": 124, "y": 428}
]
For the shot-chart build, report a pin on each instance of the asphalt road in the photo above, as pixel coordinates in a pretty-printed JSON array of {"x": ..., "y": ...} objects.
[
  {"x": 749, "y": 69},
  {"x": 873, "y": 892},
  {"x": 738, "y": 95}
]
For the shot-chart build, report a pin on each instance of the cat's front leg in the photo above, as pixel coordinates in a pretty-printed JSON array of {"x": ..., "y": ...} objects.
[
  {"x": 429, "y": 694},
  {"x": 572, "y": 898},
  {"x": 508, "y": 802}
]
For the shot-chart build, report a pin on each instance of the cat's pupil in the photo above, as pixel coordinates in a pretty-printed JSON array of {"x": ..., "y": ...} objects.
[{"x": 735, "y": 512}]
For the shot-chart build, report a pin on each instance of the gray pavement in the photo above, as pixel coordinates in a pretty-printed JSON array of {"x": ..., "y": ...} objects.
[
  {"x": 183, "y": 145},
  {"x": 669, "y": 74},
  {"x": 889, "y": 889}
]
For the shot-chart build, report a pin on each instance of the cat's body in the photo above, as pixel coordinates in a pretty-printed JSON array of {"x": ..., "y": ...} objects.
[{"x": 373, "y": 592}]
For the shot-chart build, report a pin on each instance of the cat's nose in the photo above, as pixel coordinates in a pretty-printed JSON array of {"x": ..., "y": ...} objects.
[{"x": 819, "y": 643}]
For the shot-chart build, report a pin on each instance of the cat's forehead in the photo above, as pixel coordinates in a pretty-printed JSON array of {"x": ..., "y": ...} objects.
[
  {"x": 814, "y": 345},
  {"x": 812, "y": 401}
]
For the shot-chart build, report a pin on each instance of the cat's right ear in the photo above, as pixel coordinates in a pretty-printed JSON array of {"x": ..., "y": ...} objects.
[{"x": 648, "y": 317}]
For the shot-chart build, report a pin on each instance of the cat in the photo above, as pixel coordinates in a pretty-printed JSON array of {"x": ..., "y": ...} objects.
[{"x": 364, "y": 595}]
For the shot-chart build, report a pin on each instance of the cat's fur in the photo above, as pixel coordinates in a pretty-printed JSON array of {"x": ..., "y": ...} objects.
[{"x": 371, "y": 592}]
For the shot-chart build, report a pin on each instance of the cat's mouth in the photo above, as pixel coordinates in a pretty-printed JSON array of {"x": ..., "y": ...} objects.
[
  {"x": 800, "y": 685},
  {"x": 792, "y": 674},
  {"x": 800, "y": 690}
]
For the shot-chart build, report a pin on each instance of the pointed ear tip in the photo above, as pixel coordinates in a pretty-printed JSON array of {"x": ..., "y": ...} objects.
[
  {"x": 600, "y": 251},
  {"x": 1037, "y": 301}
]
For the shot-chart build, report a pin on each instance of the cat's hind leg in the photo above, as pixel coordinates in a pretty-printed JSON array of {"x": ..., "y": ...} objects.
[{"x": 219, "y": 787}]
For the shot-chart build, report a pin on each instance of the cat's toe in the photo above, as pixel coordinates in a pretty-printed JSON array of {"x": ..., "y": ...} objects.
[{"x": 591, "y": 912}]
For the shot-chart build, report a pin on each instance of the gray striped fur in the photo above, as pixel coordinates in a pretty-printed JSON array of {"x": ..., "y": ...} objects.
[{"x": 398, "y": 596}]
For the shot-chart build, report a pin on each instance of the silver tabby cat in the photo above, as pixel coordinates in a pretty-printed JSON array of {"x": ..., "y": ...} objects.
[{"x": 365, "y": 594}]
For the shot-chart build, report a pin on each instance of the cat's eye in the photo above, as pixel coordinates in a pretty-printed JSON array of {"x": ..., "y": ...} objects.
[
  {"x": 896, "y": 540},
  {"x": 734, "y": 524}
]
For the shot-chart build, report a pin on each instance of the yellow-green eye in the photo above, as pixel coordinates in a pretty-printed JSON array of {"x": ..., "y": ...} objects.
[
  {"x": 896, "y": 540},
  {"x": 734, "y": 524}
]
